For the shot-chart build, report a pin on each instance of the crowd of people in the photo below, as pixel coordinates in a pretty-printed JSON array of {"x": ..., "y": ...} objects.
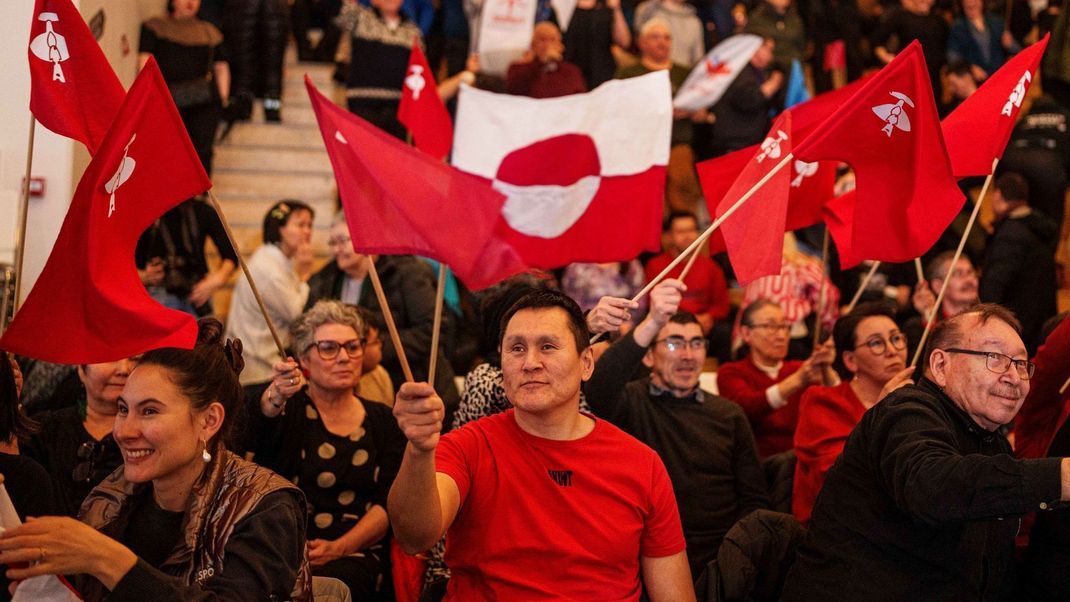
[{"x": 708, "y": 441}]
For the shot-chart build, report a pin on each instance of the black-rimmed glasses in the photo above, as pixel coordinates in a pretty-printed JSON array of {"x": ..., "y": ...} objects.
[
  {"x": 1000, "y": 363},
  {"x": 898, "y": 341}
]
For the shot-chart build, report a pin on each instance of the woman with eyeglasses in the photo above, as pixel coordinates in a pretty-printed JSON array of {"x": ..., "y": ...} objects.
[
  {"x": 75, "y": 444},
  {"x": 871, "y": 355},
  {"x": 765, "y": 384},
  {"x": 342, "y": 451},
  {"x": 183, "y": 518}
]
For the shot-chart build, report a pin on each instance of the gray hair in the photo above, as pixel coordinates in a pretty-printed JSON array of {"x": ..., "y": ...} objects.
[
  {"x": 303, "y": 330},
  {"x": 652, "y": 23}
]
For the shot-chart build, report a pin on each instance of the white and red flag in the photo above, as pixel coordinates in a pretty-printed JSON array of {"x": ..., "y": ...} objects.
[
  {"x": 754, "y": 233},
  {"x": 73, "y": 90},
  {"x": 89, "y": 290},
  {"x": 711, "y": 77},
  {"x": 421, "y": 109},
  {"x": 584, "y": 175},
  {"x": 977, "y": 131},
  {"x": 399, "y": 200},
  {"x": 889, "y": 133}
]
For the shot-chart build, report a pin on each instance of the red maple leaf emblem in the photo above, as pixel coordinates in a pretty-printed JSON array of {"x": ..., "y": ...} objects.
[{"x": 715, "y": 67}]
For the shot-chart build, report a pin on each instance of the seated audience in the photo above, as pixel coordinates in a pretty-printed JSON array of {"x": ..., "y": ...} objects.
[
  {"x": 280, "y": 268},
  {"x": 684, "y": 26},
  {"x": 925, "y": 500},
  {"x": 183, "y": 519},
  {"x": 767, "y": 387},
  {"x": 534, "y": 474},
  {"x": 961, "y": 293},
  {"x": 587, "y": 283},
  {"x": 341, "y": 450},
  {"x": 1019, "y": 267},
  {"x": 542, "y": 72},
  {"x": 979, "y": 38},
  {"x": 873, "y": 352},
  {"x": 704, "y": 440},
  {"x": 75, "y": 444}
]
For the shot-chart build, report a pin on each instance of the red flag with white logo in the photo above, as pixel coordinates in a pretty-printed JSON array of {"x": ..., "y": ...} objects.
[
  {"x": 977, "y": 131},
  {"x": 889, "y": 133},
  {"x": 584, "y": 175},
  {"x": 421, "y": 108},
  {"x": 399, "y": 200},
  {"x": 73, "y": 90},
  {"x": 754, "y": 233},
  {"x": 89, "y": 290}
]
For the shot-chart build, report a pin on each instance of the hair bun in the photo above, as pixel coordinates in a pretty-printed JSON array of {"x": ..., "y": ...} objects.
[
  {"x": 232, "y": 350},
  {"x": 209, "y": 331}
]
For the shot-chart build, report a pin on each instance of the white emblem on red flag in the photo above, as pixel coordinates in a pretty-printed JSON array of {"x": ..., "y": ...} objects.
[
  {"x": 803, "y": 170},
  {"x": 339, "y": 137},
  {"x": 893, "y": 115},
  {"x": 51, "y": 46},
  {"x": 122, "y": 174},
  {"x": 771, "y": 146},
  {"x": 1017, "y": 95},
  {"x": 415, "y": 81}
]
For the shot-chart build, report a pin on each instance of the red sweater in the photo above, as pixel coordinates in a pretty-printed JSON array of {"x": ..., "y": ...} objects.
[
  {"x": 707, "y": 290},
  {"x": 539, "y": 80},
  {"x": 744, "y": 383},
  {"x": 826, "y": 417},
  {"x": 1045, "y": 410}
]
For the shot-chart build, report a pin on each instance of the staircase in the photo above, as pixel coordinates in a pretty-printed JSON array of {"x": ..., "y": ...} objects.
[{"x": 261, "y": 163}]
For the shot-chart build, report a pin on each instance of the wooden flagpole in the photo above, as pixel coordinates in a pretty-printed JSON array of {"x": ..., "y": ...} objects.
[
  {"x": 822, "y": 299},
  {"x": 395, "y": 338},
  {"x": 918, "y": 269},
  {"x": 440, "y": 293},
  {"x": 862, "y": 287},
  {"x": 954, "y": 262},
  {"x": 690, "y": 262},
  {"x": 693, "y": 247},
  {"x": 248, "y": 275},
  {"x": 24, "y": 210}
]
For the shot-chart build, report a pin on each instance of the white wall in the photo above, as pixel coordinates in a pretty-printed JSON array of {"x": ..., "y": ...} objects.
[{"x": 59, "y": 160}]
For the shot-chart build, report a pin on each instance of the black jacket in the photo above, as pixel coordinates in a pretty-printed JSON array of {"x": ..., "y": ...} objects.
[
  {"x": 922, "y": 505},
  {"x": 1019, "y": 271}
]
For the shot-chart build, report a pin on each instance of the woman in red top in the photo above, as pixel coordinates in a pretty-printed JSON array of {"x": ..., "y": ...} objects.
[
  {"x": 767, "y": 387},
  {"x": 871, "y": 350}
]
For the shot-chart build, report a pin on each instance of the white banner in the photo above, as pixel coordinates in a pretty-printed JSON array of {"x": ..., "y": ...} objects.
[
  {"x": 714, "y": 73},
  {"x": 564, "y": 10},
  {"x": 505, "y": 28}
]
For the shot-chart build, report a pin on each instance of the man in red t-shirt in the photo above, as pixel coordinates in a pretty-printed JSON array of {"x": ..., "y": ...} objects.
[{"x": 540, "y": 501}]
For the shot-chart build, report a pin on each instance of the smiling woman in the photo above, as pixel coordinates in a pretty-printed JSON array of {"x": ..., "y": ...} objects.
[{"x": 183, "y": 518}]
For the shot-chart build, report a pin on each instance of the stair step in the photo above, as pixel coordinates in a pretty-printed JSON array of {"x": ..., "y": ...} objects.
[
  {"x": 278, "y": 185},
  {"x": 291, "y": 135},
  {"x": 269, "y": 159}
]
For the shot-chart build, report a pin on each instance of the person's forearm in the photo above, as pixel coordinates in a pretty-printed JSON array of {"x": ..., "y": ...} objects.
[
  {"x": 271, "y": 402},
  {"x": 622, "y": 35},
  {"x": 113, "y": 563},
  {"x": 792, "y": 384},
  {"x": 413, "y": 505},
  {"x": 368, "y": 530},
  {"x": 645, "y": 333},
  {"x": 222, "y": 80}
]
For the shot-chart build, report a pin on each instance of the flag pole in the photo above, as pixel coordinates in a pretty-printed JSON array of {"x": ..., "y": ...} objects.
[
  {"x": 690, "y": 262},
  {"x": 821, "y": 299},
  {"x": 440, "y": 293},
  {"x": 954, "y": 262},
  {"x": 248, "y": 275},
  {"x": 693, "y": 247},
  {"x": 24, "y": 210},
  {"x": 388, "y": 317},
  {"x": 862, "y": 287},
  {"x": 918, "y": 269}
]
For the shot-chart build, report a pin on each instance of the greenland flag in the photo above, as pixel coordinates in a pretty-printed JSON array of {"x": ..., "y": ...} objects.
[{"x": 584, "y": 175}]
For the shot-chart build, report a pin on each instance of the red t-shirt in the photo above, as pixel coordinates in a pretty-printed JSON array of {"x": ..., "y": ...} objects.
[
  {"x": 554, "y": 519},
  {"x": 744, "y": 383},
  {"x": 827, "y": 415},
  {"x": 707, "y": 290}
]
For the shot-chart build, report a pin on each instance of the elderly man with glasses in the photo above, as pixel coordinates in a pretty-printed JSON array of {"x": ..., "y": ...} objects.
[
  {"x": 704, "y": 440},
  {"x": 924, "y": 502}
]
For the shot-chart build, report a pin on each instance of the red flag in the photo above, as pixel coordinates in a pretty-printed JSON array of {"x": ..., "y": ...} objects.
[
  {"x": 754, "y": 234},
  {"x": 978, "y": 130},
  {"x": 89, "y": 305},
  {"x": 839, "y": 215},
  {"x": 421, "y": 109},
  {"x": 399, "y": 200},
  {"x": 73, "y": 90},
  {"x": 889, "y": 133}
]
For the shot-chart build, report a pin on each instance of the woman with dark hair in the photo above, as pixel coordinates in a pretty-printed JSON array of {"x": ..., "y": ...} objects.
[
  {"x": 872, "y": 351},
  {"x": 342, "y": 450},
  {"x": 979, "y": 38},
  {"x": 281, "y": 268},
  {"x": 183, "y": 519},
  {"x": 766, "y": 386}
]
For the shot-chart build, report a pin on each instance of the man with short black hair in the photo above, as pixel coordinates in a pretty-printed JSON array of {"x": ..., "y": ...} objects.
[
  {"x": 704, "y": 440},
  {"x": 922, "y": 504},
  {"x": 1019, "y": 265},
  {"x": 540, "y": 483}
]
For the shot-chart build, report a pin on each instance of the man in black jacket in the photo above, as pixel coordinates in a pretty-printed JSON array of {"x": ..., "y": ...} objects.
[
  {"x": 704, "y": 440},
  {"x": 924, "y": 502},
  {"x": 1019, "y": 267}
]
